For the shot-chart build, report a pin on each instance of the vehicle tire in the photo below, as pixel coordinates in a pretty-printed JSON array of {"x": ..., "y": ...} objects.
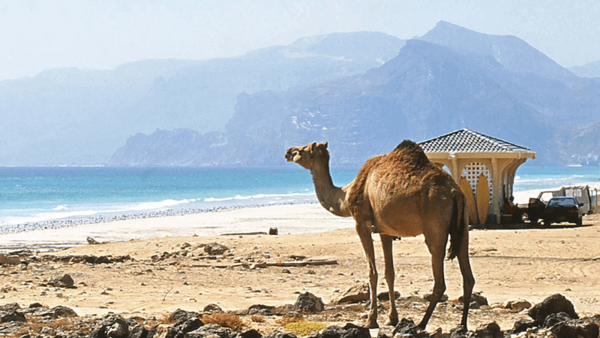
[
  {"x": 579, "y": 222},
  {"x": 534, "y": 220}
]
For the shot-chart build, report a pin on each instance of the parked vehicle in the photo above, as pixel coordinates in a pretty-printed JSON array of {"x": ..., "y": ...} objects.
[
  {"x": 563, "y": 209},
  {"x": 535, "y": 210}
]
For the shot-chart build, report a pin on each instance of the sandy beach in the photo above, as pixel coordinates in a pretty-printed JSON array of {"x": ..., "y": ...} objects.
[{"x": 170, "y": 268}]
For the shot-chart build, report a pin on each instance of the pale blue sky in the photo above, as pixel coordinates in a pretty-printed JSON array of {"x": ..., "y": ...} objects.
[{"x": 102, "y": 34}]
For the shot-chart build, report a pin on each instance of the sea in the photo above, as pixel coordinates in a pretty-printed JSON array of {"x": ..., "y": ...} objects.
[{"x": 40, "y": 197}]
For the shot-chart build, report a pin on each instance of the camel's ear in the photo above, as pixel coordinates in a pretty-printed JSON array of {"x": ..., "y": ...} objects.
[
  {"x": 326, "y": 144},
  {"x": 313, "y": 146}
]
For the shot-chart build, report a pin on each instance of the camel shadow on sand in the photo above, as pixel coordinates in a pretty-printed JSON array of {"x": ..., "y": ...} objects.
[{"x": 527, "y": 226}]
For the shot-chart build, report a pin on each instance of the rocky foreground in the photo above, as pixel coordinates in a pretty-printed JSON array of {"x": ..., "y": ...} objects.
[
  {"x": 554, "y": 317},
  {"x": 529, "y": 283}
]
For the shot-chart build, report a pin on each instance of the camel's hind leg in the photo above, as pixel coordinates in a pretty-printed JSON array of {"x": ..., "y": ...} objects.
[
  {"x": 387, "y": 245},
  {"x": 437, "y": 248},
  {"x": 467, "y": 274},
  {"x": 364, "y": 233}
]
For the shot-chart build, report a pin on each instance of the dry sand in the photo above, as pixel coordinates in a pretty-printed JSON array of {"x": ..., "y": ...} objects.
[{"x": 508, "y": 264}]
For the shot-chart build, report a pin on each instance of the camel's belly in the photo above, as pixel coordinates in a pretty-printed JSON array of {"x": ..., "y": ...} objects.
[{"x": 400, "y": 229}]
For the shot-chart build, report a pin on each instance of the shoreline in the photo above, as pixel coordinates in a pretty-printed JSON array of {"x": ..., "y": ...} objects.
[
  {"x": 289, "y": 218},
  {"x": 43, "y": 236}
]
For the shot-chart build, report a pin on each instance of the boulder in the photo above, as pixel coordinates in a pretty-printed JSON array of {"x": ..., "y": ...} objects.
[
  {"x": 12, "y": 316},
  {"x": 517, "y": 305},
  {"x": 575, "y": 328},
  {"x": 348, "y": 331},
  {"x": 491, "y": 330},
  {"x": 212, "y": 331},
  {"x": 260, "y": 309},
  {"x": 112, "y": 326},
  {"x": 407, "y": 328},
  {"x": 523, "y": 325},
  {"x": 307, "y": 302},
  {"x": 278, "y": 334},
  {"x": 553, "y": 304},
  {"x": 212, "y": 308},
  {"x": 355, "y": 294},
  {"x": 215, "y": 249},
  {"x": 58, "y": 312},
  {"x": 66, "y": 281}
]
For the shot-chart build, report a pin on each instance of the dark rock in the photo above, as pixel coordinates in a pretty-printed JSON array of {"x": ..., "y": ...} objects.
[
  {"x": 459, "y": 332},
  {"x": 278, "y": 334},
  {"x": 575, "y": 328},
  {"x": 250, "y": 334},
  {"x": 35, "y": 305},
  {"x": 556, "y": 318},
  {"x": 12, "y": 316},
  {"x": 307, "y": 302},
  {"x": 162, "y": 331},
  {"x": 215, "y": 249},
  {"x": 273, "y": 231},
  {"x": 523, "y": 325},
  {"x": 260, "y": 309},
  {"x": 179, "y": 315},
  {"x": 355, "y": 331},
  {"x": 58, "y": 312},
  {"x": 385, "y": 296},
  {"x": 65, "y": 281},
  {"x": 187, "y": 325},
  {"x": 553, "y": 304},
  {"x": 491, "y": 330},
  {"x": 212, "y": 308},
  {"x": 211, "y": 331},
  {"x": 9, "y": 307},
  {"x": 138, "y": 331},
  {"x": 407, "y": 328},
  {"x": 115, "y": 326}
]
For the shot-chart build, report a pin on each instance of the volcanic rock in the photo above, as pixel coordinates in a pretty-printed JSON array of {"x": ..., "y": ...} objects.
[
  {"x": 307, "y": 302},
  {"x": 553, "y": 304}
]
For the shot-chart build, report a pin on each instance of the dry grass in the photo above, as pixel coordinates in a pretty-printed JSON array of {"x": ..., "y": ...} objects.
[
  {"x": 257, "y": 319},
  {"x": 167, "y": 319},
  {"x": 299, "y": 317},
  {"x": 304, "y": 328},
  {"x": 224, "y": 319}
]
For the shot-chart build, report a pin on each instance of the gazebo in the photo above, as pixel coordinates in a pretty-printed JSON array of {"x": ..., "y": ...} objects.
[{"x": 469, "y": 154}]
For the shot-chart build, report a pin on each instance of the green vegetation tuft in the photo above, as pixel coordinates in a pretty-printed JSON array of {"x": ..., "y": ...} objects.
[{"x": 304, "y": 328}]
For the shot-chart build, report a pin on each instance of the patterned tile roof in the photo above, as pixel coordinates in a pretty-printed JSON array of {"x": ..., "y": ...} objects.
[{"x": 468, "y": 141}]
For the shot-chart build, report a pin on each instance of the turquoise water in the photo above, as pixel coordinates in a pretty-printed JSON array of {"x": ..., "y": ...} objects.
[{"x": 39, "y": 195}]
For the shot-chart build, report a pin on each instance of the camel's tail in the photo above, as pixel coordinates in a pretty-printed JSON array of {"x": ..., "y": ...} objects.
[{"x": 458, "y": 224}]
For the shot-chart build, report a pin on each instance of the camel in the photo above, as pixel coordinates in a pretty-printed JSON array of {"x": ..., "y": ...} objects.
[{"x": 398, "y": 194}]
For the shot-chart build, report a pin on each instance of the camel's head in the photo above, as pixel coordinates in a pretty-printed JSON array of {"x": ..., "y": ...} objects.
[{"x": 306, "y": 155}]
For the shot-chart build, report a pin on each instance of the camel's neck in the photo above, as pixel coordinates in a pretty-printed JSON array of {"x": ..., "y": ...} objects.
[{"x": 331, "y": 197}]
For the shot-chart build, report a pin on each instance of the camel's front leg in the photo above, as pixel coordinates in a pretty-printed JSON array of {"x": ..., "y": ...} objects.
[
  {"x": 387, "y": 245},
  {"x": 364, "y": 233}
]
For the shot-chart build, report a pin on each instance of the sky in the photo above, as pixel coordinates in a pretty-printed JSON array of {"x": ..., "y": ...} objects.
[{"x": 103, "y": 34}]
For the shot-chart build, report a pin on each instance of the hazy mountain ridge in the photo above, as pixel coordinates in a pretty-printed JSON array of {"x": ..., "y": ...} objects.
[
  {"x": 79, "y": 117},
  {"x": 591, "y": 69},
  {"x": 495, "y": 85}
]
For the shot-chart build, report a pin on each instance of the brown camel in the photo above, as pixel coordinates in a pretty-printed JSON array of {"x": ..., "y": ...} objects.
[{"x": 399, "y": 194}]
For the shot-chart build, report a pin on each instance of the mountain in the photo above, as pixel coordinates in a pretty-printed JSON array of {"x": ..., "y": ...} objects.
[
  {"x": 511, "y": 52},
  {"x": 451, "y": 78},
  {"x": 79, "y": 117},
  {"x": 591, "y": 69}
]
